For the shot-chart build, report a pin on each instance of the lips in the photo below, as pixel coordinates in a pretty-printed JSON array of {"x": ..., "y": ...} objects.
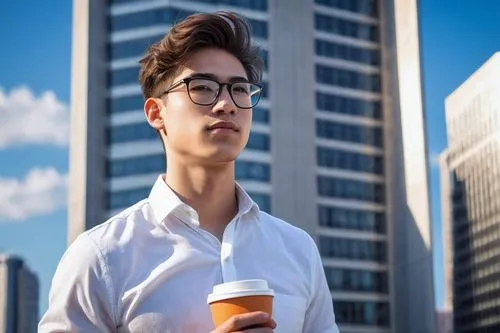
[{"x": 227, "y": 125}]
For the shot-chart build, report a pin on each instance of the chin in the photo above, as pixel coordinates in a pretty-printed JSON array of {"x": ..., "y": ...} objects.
[{"x": 222, "y": 155}]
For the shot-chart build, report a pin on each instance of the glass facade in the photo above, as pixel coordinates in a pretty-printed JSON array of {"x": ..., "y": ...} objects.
[
  {"x": 361, "y": 103},
  {"x": 353, "y": 249},
  {"x": 347, "y": 78},
  {"x": 346, "y": 52},
  {"x": 371, "y": 136},
  {"x": 351, "y": 219},
  {"x": 347, "y": 28},
  {"x": 356, "y": 280},
  {"x": 362, "y": 313},
  {"x": 366, "y": 7},
  {"x": 345, "y": 160}
]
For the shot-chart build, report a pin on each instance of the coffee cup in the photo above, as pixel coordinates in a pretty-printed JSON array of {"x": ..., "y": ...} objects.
[{"x": 239, "y": 297}]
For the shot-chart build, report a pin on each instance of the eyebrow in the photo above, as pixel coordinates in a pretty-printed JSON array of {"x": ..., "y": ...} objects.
[{"x": 215, "y": 78}]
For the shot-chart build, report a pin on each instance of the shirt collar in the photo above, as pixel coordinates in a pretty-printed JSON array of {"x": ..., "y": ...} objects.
[{"x": 164, "y": 201}]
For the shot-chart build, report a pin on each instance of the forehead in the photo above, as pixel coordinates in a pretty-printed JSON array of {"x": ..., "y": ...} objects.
[{"x": 222, "y": 64}]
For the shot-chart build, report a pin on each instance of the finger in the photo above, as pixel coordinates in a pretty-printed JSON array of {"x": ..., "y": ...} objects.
[{"x": 240, "y": 322}]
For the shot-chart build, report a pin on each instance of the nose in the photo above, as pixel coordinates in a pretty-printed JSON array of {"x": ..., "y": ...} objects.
[{"x": 224, "y": 103}]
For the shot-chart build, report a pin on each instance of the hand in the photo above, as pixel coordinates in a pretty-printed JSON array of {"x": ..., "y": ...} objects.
[{"x": 253, "y": 322}]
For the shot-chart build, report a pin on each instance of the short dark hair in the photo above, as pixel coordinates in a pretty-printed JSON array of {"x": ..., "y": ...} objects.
[{"x": 224, "y": 30}]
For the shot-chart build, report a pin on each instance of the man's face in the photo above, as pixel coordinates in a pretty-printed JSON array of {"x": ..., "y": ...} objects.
[{"x": 191, "y": 131}]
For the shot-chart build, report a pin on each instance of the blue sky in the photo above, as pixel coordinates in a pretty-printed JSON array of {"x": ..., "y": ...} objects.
[{"x": 457, "y": 37}]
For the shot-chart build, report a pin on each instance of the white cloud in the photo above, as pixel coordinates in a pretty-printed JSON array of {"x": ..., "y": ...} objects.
[
  {"x": 434, "y": 159},
  {"x": 27, "y": 119},
  {"x": 41, "y": 192}
]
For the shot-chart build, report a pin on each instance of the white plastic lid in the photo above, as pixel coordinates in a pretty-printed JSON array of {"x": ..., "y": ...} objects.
[{"x": 240, "y": 288}]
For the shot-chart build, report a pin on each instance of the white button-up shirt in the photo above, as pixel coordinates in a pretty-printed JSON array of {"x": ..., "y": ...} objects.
[{"x": 151, "y": 268}]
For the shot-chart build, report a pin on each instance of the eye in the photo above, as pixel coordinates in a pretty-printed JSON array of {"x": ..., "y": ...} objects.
[
  {"x": 242, "y": 89},
  {"x": 201, "y": 88}
]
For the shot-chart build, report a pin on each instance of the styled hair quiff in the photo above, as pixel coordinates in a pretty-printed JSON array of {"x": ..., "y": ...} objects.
[{"x": 223, "y": 30}]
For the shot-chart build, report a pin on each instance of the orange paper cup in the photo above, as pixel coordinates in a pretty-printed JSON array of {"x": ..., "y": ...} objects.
[{"x": 238, "y": 297}]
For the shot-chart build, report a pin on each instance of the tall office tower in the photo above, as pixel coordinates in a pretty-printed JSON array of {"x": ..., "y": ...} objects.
[
  {"x": 471, "y": 169},
  {"x": 337, "y": 145},
  {"x": 18, "y": 296}
]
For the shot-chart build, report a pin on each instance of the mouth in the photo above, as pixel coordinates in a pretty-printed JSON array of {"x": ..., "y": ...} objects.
[{"x": 223, "y": 126}]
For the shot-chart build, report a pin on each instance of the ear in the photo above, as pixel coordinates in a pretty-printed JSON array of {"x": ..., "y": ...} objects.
[{"x": 152, "y": 110}]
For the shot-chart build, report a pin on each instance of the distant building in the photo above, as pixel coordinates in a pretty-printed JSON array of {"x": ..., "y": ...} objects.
[
  {"x": 18, "y": 296},
  {"x": 470, "y": 172},
  {"x": 337, "y": 146},
  {"x": 444, "y": 321}
]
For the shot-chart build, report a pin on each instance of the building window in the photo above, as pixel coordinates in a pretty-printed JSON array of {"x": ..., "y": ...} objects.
[
  {"x": 362, "y": 313},
  {"x": 124, "y": 199},
  {"x": 350, "y": 189},
  {"x": 347, "y": 52},
  {"x": 340, "y": 279},
  {"x": 262, "y": 200},
  {"x": 340, "y": 159},
  {"x": 124, "y": 76},
  {"x": 351, "y": 219},
  {"x": 349, "y": 106},
  {"x": 136, "y": 165},
  {"x": 246, "y": 170},
  {"x": 366, "y": 7},
  {"x": 132, "y": 48},
  {"x": 125, "y": 103},
  {"x": 260, "y": 115},
  {"x": 131, "y": 132},
  {"x": 353, "y": 249},
  {"x": 259, "y": 141},
  {"x": 166, "y": 15},
  {"x": 346, "y": 28},
  {"x": 371, "y": 136},
  {"x": 260, "y": 5},
  {"x": 348, "y": 79}
]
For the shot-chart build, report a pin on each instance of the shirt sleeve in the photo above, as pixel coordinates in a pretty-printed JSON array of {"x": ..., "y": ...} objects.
[
  {"x": 320, "y": 316},
  {"x": 81, "y": 295}
]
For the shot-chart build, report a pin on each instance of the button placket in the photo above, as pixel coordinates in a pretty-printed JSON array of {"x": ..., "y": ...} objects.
[{"x": 227, "y": 262}]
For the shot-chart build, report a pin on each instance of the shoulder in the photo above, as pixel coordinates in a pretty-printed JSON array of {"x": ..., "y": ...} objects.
[
  {"x": 118, "y": 230},
  {"x": 287, "y": 231}
]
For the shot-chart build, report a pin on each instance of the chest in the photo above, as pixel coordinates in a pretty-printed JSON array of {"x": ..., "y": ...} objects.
[{"x": 171, "y": 296}]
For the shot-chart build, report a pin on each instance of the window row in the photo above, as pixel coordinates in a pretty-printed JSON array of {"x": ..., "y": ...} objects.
[
  {"x": 169, "y": 15},
  {"x": 347, "y": 52},
  {"x": 350, "y": 189},
  {"x": 371, "y": 136},
  {"x": 142, "y": 131},
  {"x": 340, "y": 279},
  {"x": 347, "y": 78},
  {"x": 353, "y": 249},
  {"x": 345, "y": 160},
  {"x": 260, "y": 5},
  {"x": 362, "y": 313},
  {"x": 348, "y": 106},
  {"x": 366, "y": 7},
  {"x": 351, "y": 219},
  {"x": 346, "y": 28}
]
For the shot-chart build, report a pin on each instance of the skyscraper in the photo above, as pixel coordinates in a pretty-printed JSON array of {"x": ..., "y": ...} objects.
[
  {"x": 337, "y": 146},
  {"x": 18, "y": 296},
  {"x": 471, "y": 199}
]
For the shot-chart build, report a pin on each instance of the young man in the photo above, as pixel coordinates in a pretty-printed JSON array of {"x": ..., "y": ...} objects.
[{"x": 151, "y": 267}]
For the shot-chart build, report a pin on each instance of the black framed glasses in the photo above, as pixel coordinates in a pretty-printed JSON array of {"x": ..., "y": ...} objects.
[{"x": 205, "y": 91}]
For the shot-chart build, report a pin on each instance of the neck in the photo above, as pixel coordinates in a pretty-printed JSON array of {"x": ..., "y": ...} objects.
[{"x": 211, "y": 191}]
